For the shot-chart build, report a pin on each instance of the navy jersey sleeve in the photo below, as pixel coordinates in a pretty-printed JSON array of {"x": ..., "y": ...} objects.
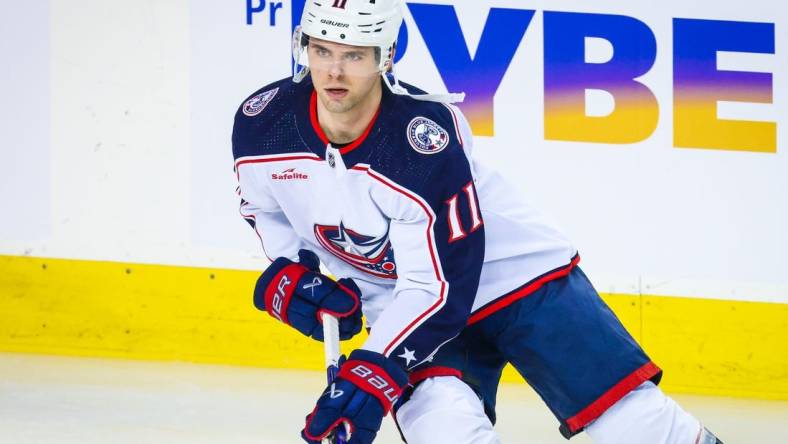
[
  {"x": 437, "y": 233},
  {"x": 257, "y": 136}
]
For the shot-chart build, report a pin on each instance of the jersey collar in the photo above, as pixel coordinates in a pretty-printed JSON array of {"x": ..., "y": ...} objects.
[{"x": 322, "y": 135}]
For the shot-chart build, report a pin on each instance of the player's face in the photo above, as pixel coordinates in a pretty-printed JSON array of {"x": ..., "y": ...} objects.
[{"x": 343, "y": 75}]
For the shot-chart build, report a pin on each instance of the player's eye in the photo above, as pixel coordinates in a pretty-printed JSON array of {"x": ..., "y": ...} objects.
[
  {"x": 353, "y": 57},
  {"x": 322, "y": 52}
]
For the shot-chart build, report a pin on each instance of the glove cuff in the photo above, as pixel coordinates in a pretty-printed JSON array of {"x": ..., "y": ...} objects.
[{"x": 375, "y": 374}]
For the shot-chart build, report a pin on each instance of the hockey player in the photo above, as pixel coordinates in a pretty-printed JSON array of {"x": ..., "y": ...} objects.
[{"x": 455, "y": 276}]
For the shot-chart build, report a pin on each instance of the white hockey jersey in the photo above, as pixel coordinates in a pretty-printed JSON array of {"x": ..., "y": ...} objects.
[{"x": 434, "y": 240}]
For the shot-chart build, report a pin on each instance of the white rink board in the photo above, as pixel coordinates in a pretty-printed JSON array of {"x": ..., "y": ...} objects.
[{"x": 133, "y": 162}]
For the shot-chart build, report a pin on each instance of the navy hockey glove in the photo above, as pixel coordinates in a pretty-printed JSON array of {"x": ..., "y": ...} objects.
[
  {"x": 296, "y": 293},
  {"x": 365, "y": 388}
]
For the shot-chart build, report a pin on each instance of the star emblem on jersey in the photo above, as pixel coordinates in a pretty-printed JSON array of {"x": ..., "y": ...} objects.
[
  {"x": 408, "y": 355},
  {"x": 257, "y": 104},
  {"x": 371, "y": 254},
  {"x": 426, "y": 136}
]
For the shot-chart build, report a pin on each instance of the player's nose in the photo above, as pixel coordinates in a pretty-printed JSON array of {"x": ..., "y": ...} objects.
[{"x": 336, "y": 69}]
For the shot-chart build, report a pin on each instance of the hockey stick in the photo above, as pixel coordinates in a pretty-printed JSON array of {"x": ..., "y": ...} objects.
[{"x": 331, "y": 350}]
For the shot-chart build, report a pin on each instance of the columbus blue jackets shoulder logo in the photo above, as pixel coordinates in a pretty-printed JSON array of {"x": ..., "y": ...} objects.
[
  {"x": 370, "y": 254},
  {"x": 426, "y": 136},
  {"x": 257, "y": 104}
]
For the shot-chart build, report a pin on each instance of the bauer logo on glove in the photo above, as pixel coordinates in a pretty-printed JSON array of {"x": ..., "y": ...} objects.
[
  {"x": 364, "y": 391},
  {"x": 279, "y": 297}
]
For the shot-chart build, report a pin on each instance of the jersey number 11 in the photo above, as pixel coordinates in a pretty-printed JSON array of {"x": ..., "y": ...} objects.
[{"x": 456, "y": 231}]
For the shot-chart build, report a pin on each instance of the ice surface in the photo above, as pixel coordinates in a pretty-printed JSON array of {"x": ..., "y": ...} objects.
[{"x": 48, "y": 399}]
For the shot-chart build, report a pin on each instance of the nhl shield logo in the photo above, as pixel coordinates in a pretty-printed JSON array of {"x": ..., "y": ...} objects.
[
  {"x": 257, "y": 104},
  {"x": 426, "y": 136}
]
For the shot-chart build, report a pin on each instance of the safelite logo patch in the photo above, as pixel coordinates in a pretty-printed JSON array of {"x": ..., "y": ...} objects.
[{"x": 289, "y": 174}]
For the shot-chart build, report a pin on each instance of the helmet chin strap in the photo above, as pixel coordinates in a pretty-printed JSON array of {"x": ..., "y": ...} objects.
[
  {"x": 391, "y": 81},
  {"x": 301, "y": 72}
]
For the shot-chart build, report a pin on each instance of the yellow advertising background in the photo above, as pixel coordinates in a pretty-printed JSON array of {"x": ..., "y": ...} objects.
[{"x": 155, "y": 312}]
